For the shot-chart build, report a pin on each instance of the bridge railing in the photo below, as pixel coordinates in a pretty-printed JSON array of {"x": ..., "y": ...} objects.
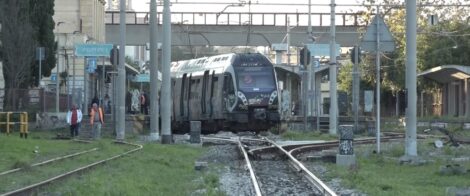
[{"x": 232, "y": 18}]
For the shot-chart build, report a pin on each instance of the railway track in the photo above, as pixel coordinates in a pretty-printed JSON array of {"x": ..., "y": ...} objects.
[
  {"x": 289, "y": 177},
  {"x": 261, "y": 155},
  {"x": 28, "y": 190}
]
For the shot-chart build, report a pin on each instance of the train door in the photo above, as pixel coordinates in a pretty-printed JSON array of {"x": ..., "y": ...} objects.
[
  {"x": 229, "y": 93},
  {"x": 195, "y": 99},
  {"x": 187, "y": 96},
  {"x": 182, "y": 104},
  {"x": 205, "y": 84},
  {"x": 213, "y": 87}
]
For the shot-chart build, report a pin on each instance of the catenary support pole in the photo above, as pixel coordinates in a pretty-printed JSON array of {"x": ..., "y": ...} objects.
[
  {"x": 41, "y": 51},
  {"x": 85, "y": 86},
  {"x": 355, "y": 87},
  {"x": 103, "y": 72},
  {"x": 333, "y": 93},
  {"x": 121, "y": 82},
  {"x": 57, "y": 78},
  {"x": 154, "y": 110},
  {"x": 74, "y": 94},
  {"x": 410, "y": 140},
  {"x": 377, "y": 83},
  {"x": 166, "y": 80}
]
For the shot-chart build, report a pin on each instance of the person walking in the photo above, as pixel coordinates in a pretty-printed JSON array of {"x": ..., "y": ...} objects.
[
  {"x": 143, "y": 103},
  {"x": 74, "y": 117},
  {"x": 96, "y": 120}
]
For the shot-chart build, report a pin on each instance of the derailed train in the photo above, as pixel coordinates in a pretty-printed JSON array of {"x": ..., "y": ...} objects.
[{"x": 225, "y": 92}]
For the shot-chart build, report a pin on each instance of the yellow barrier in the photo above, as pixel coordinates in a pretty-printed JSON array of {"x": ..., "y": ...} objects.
[{"x": 23, "y": 122}]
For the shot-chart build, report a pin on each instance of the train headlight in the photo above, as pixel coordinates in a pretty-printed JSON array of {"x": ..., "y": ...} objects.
[
  {"x": 273, "y": 97},
  {"x": 242, "y": 97}
]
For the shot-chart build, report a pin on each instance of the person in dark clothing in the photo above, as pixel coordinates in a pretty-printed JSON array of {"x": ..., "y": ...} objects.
[
  {"x": 143, "y": 103},
  {"x": 95, "y": 100},
  {"x": 128, "y": 101}
]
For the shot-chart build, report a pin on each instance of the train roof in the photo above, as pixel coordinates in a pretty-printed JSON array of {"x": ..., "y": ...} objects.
[{"x": 218, "y": 63}]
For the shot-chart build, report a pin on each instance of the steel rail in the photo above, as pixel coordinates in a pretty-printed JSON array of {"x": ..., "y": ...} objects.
[
  {"x": 226, "y": 139},
  {"x": 312, "y": 178},
  {"x": 327, "y": 144},
  {"x": 50, "y": 161},
  {"x": 254, "y": 180},
  {"x": 24, "y": 190}
]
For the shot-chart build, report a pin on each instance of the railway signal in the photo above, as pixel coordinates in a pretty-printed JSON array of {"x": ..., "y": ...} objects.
[
  {"x": 304, "y": 56},
  {"x": 114, "y": 56}
]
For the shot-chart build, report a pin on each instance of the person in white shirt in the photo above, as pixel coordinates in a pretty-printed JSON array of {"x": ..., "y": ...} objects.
[{"x": 74, "y": 117}]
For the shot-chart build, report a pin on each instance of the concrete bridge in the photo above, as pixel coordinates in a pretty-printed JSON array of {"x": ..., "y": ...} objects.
[{"x": 235, "y": 29}]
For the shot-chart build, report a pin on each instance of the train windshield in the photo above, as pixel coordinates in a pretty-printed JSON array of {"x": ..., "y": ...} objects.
[{"x": 255, "y": 79}]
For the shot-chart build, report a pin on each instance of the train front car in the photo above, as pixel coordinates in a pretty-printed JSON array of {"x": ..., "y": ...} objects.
[{"x": 256, "y": 93}]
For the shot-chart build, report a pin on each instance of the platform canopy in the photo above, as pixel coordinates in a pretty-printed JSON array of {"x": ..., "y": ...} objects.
[{"x": 447, "y": 73}]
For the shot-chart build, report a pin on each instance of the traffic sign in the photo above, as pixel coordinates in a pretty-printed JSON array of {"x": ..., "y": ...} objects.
[
  {"x": 279, "y": 47},
  {"x": 91, "y": 65},
  {"x": 316, "y": 63},
  {"x": 386, "y": 41},
  {"x": 40, "y": 53},
  {"x": 53, "y": 77},
  {"x": 322, "y": 49},
  {"x": 142, "y": 78},
  {"x": 83, "y": 50}
]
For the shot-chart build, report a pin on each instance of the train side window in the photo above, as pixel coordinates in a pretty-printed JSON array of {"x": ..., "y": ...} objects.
[{"x": 229, "y": 90}]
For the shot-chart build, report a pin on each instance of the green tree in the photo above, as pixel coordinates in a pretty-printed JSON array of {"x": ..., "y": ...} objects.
[
  {"x": 18, "y": 48},
  {"x": 446, "y": 43},
  {"x": 435, "y": 44},
  {"x": 25, "y": 25},
  {"x": 43, "y": 24}
]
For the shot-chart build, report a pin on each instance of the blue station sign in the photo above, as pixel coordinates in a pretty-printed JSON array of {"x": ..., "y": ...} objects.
[{"x": 88, "y": 50}]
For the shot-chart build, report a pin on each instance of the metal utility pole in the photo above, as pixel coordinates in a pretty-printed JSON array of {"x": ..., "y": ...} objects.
[
  {"x": 85, "y": 85},
  {"x": 410, "y": 140},
  {"x": 121, "y": 82},
  {"x": 288, "y": 41},
  {"x": 102, "y": 83},
  {"x": 333, "y": 93},
  {"x": 355, "y": 88},
  {"x": 154, "y": 109},
  {"x": 377, "y": 67},
  {"x": 166, "y": 80},
  {"x": 74, "y": 101},
  {"x": 57, "y": 80}
]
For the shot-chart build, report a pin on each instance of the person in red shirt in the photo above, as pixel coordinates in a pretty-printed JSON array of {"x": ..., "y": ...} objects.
[{"x": 74, "y": 117}]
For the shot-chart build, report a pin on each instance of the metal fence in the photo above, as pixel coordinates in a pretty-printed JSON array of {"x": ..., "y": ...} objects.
[{"x": 33, "y": 100}]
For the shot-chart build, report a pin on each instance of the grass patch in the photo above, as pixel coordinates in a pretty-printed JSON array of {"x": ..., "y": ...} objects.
[
  {"x": 298, "y": 135},
  {"x": 155, "y": 170},
  {"x": 378, "y": 175}
]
